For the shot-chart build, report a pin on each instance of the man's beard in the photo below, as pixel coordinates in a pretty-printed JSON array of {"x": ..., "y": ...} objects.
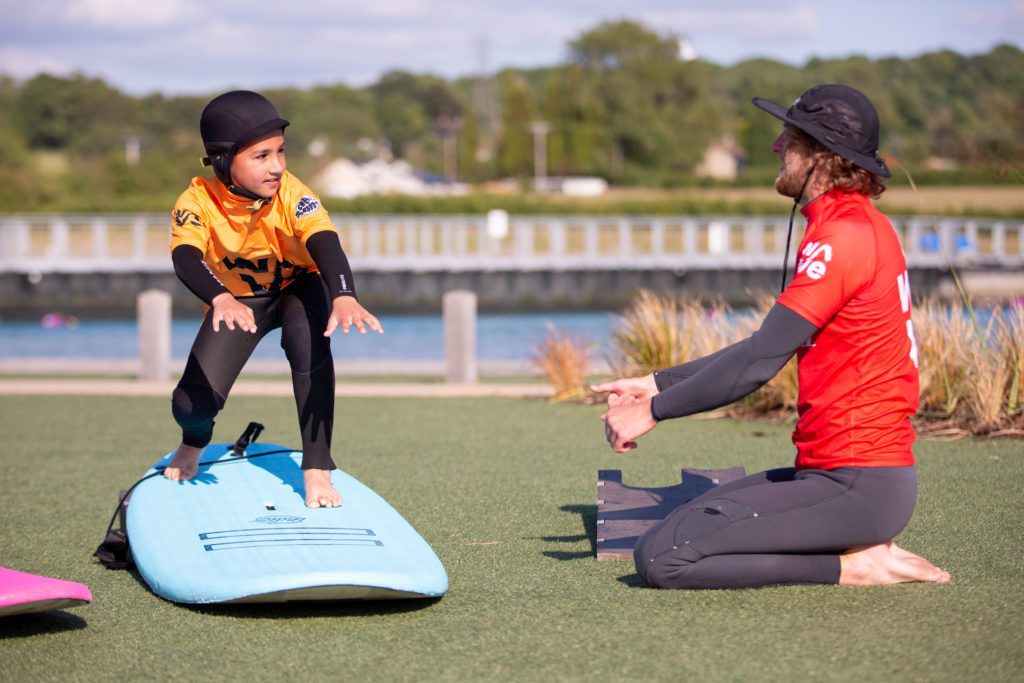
[{"x": 790, "y": 182}]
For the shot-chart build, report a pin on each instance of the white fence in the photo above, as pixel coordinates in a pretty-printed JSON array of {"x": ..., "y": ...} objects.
[{"x": 139, "y": 243}]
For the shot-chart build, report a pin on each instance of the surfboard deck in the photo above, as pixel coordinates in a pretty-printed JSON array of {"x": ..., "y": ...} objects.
[
  {"x": 240, "y": 532},
  {"x": 24, "y": 593}
]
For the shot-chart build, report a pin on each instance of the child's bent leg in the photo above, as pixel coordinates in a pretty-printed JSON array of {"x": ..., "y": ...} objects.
[
  {"x": 303, "y": 320},
  {"x": 314, "y": 399},
  {"x": 213, "y": 365}
]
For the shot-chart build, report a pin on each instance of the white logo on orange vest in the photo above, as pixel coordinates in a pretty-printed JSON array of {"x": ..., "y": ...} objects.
[{"x": 815, "y": 268}]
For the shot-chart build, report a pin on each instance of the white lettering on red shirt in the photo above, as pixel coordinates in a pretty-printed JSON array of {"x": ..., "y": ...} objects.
[{"x": 815, "y": 268}]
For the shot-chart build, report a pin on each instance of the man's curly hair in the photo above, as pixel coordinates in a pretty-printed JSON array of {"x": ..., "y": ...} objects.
[{"x": 842, "y": 173}]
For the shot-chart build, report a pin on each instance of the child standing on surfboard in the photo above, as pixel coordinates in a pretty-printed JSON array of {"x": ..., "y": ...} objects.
[{"x": 257, "y": 246}]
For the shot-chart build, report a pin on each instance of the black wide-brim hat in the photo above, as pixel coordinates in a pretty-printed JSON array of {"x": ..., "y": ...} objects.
[{"x": 840, "y": 118}]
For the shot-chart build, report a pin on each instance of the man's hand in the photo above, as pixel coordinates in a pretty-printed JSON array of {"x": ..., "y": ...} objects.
[
  {"x": 627, "y": 419},
  {"x": 640, "y": 388},
  {"x": 231, "y": 311},
  {"x": 346, "y": 312}
]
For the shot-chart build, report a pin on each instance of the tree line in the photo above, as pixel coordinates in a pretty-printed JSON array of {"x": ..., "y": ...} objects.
[{"x": 624, "y": 106}]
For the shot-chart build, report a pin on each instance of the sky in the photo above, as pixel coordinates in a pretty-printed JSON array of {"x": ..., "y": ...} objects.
[{"x": 205, "y": 46}]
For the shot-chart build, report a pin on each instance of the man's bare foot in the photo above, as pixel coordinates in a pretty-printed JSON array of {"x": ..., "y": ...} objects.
[
  {"x": 319, "y": 491},
  {"x": 904, "y": 554},
  {"x": 880, "y": 564},
  {"x": 184, "y": 463}
]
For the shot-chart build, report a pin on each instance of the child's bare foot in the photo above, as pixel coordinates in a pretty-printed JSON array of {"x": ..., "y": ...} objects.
[
  {"x": 184, "y": 463},
  {"x": 319, "y": 491},
  {"x": 880, "y": 564}
]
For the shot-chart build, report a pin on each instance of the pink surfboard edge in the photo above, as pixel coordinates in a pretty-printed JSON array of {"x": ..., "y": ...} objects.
[{"x": 21, "y": 592}]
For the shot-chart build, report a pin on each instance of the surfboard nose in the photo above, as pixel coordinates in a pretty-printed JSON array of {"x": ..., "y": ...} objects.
[{"x": 21, "y": 593}]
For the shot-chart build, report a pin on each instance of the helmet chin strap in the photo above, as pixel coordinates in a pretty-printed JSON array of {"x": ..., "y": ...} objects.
[
  {"x": 241, "y": 191},
  {"x": 792, "y": 213},
  {"x": 221, "y": 163}
]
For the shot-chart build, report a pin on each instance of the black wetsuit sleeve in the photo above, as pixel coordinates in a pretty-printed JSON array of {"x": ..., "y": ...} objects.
[
  {"x": 330, "y": 259},
  {"x": 192, "y": 270},
  {"x": 737, "y": 370},
  {"x": 677, "y": 373}
]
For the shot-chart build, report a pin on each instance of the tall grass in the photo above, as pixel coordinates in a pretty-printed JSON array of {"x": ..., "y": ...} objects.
[
  {"x": 1012, "y": 341},
  {"x": 971, "y": 373},
  {"x": 656, "y": 332},
  {"x": 564, "y": 362}
]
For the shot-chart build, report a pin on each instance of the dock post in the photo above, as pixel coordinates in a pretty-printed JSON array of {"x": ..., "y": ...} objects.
[
  {"x": 459, "y": 307},
  {"x": 154, "y": 320}
]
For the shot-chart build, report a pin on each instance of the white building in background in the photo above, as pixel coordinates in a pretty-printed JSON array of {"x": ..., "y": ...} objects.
[
  {"x": 687, "y": 50},
  {"x": 347, "y": 179},
  {"x": 722, "y": 160},
  {"x": 572, "y": 186}
]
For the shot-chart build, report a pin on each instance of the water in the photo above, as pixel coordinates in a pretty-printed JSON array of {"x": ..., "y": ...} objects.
[{"x": 500, "y": 337}]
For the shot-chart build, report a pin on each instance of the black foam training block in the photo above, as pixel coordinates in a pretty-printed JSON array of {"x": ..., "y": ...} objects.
[{"x": 625, "y": 512}]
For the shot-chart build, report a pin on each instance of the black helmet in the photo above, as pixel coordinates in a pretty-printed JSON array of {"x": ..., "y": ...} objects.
[
  {"x": 231, "y": 120},
  {"x": 839, "y": 117}
]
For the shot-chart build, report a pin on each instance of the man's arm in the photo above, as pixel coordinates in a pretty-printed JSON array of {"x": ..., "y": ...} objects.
[
  {"x": 737, "y": 370},
  {"x": 677, "y": 373}
]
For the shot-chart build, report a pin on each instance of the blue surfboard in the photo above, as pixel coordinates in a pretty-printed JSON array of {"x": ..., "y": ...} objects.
[{"x": 241, "y": 532}]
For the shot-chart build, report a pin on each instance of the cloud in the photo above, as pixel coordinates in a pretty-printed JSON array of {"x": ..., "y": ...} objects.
[
  {"x": 1007, "y": 20},
  {"x": 202, "y": 45},
  {"x": 21, "y": 63},
  {"x": 124, "y": 14}
]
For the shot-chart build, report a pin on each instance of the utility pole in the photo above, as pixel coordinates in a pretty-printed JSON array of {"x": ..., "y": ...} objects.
[
  {"x": 540, "y": 131},
  {"x": 448, "y": 129},
  {"x": 132, "y": 150},
  {"x": 486, "y": 107},
  {"x": 450, "y": 157}
]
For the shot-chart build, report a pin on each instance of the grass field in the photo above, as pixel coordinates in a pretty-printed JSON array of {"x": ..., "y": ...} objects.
[{"x": 504, "y": 490}]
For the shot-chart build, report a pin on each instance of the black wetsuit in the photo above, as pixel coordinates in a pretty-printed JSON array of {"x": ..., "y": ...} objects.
[
  {"x": 783, "y": 526},
  {"x": 301, "y": 311}
]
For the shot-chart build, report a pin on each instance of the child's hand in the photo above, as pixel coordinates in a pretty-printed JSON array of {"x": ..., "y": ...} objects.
[
  {"x": 231, "y": 312},
  {"x": 346, "y": 311}
]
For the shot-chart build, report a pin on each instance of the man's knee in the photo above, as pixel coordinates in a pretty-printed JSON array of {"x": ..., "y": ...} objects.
[
  {"x": 665, "y": 568},
  {"x": 195, "y": 404},
  {"x": 665, "y": 553}
]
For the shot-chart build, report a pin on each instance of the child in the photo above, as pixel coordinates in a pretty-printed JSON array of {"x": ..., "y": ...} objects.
[{"x": 258, "y": 248}]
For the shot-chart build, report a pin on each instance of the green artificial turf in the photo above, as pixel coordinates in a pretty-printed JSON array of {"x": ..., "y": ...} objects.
[{"x": 504, "y": 490}]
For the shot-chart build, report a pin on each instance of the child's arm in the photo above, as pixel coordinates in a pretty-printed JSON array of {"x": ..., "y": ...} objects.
[
  {"x": 330, "y": 260},
  {"x": 325, "y": 249},
  {"x": 192, "y": 270}
]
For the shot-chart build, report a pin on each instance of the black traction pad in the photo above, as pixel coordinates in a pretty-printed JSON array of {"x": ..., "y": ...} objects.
[{"x": 625, "y": 512}]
